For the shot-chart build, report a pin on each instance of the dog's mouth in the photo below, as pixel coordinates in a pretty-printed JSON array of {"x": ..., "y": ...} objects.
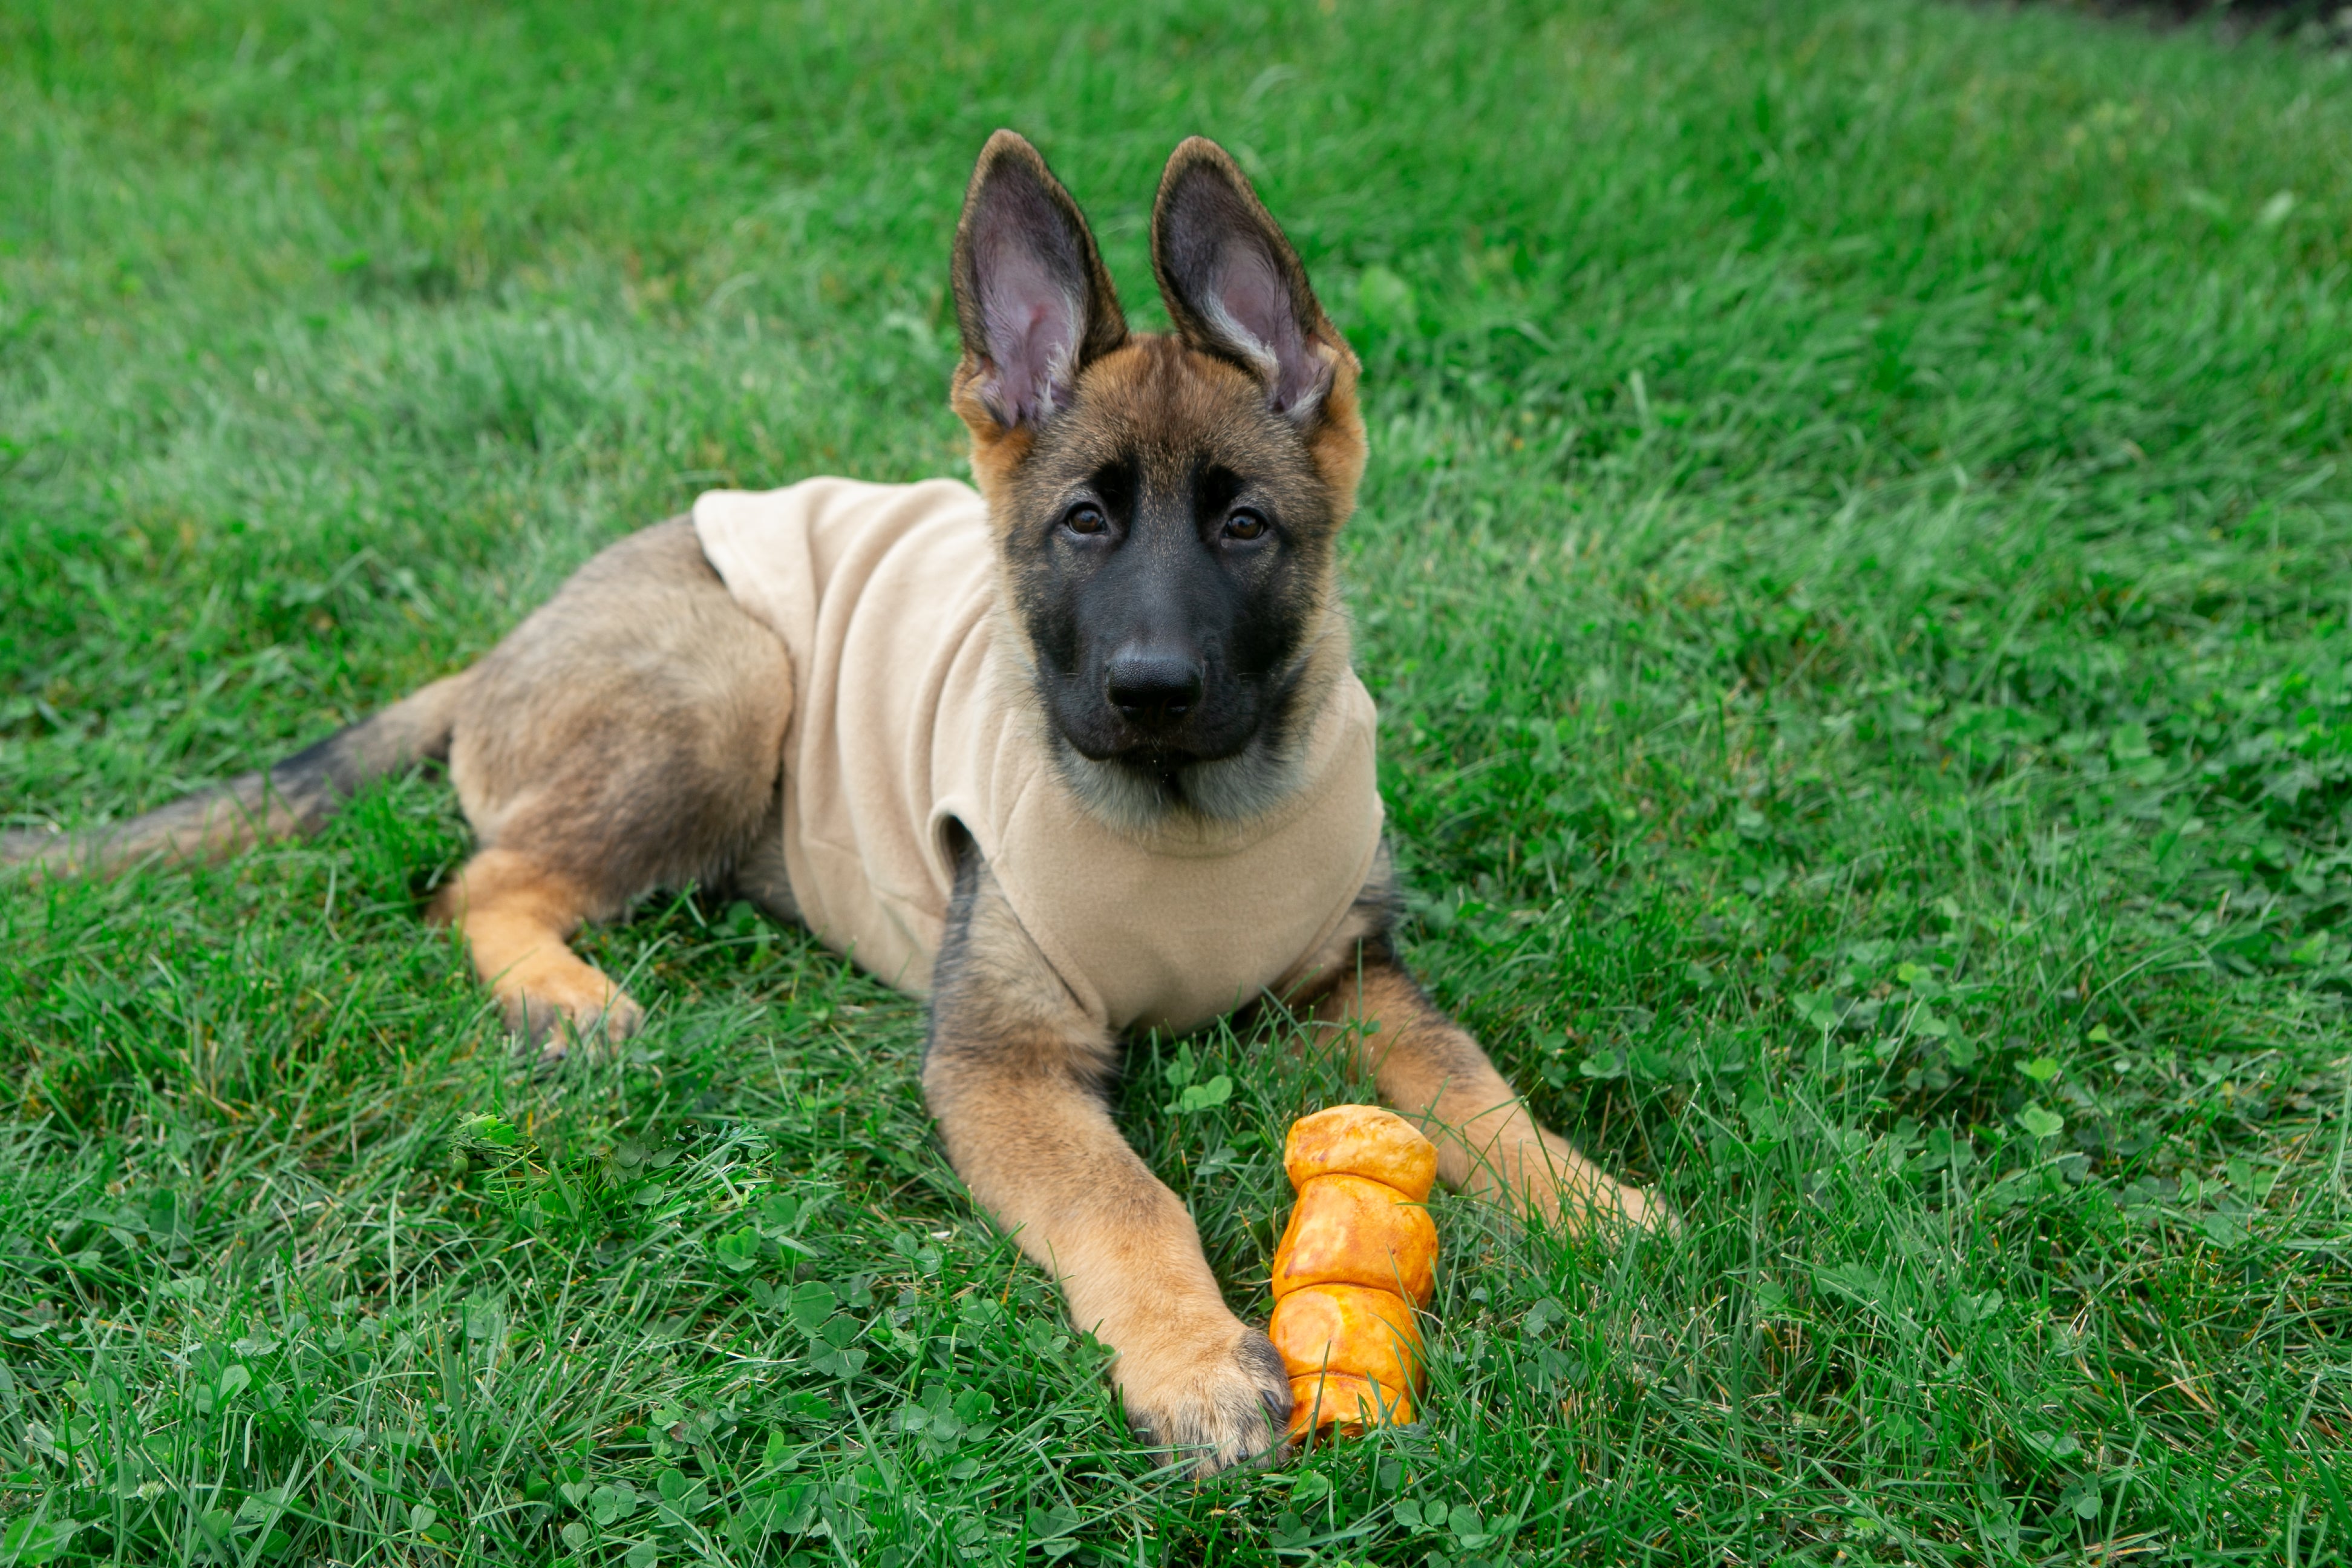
[
  {"x": 1152, "y": 756},
  {"x": 1160, "y": 764},
  {"x": 1163, "y": 749},
  {"x": 1139, "y": 786}
]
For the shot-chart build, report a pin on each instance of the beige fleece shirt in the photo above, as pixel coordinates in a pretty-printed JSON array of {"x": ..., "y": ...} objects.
[{"x": 912, "y": 709}]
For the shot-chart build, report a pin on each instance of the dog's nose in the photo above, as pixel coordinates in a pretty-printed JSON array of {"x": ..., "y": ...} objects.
[{"x": 1153, "y": 688}]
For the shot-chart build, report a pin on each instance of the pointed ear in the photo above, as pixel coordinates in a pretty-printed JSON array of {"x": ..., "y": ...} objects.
[
  {"x": 1233, "y": 286},
  {"x": 1032, "y": 296}
]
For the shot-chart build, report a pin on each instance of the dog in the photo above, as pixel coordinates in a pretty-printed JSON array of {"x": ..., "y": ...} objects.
[{"x": 1078, "y": 753}]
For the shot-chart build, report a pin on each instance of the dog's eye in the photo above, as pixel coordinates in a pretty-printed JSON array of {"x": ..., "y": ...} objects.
[
  {"x": 1245, "y": 525},
  {"x": 1085, "y": 520}
]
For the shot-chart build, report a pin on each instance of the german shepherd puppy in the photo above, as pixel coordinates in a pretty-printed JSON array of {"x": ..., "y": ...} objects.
[{"x": 630, "y": 736}]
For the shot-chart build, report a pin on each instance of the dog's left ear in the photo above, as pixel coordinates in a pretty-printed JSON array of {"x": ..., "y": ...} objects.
[{"x": 1233, "y": 286}]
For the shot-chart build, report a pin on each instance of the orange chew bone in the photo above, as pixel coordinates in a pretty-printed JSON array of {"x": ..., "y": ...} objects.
[
  {"x": 1346, "y": 1403},
  {"x": 1359, "y": 1255}
]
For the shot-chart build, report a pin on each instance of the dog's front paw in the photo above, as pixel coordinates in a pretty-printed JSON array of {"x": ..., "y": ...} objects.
[{"x": 1217, "y": 1394}]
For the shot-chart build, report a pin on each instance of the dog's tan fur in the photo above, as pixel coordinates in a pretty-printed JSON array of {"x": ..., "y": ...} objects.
[{"x": 629, "y": 735}]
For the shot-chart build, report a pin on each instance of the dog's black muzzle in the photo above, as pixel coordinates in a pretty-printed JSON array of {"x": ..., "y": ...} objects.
[
  {"x": 1148, "y": 676},
  {"x": 1155, "y": 712}
]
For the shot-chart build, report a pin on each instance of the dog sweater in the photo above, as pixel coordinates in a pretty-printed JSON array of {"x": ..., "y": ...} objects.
[{"x": 912, "y": 709}]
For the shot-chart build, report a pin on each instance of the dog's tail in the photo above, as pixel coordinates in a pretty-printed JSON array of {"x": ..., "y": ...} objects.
[{"x": 296, "y": 797}]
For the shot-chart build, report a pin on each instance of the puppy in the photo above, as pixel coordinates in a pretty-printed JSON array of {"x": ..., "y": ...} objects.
[{"x": 1076, "y": 753}]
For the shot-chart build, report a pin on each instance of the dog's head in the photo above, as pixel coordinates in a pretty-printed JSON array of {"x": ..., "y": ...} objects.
[{"x": 1166, "y": 507}]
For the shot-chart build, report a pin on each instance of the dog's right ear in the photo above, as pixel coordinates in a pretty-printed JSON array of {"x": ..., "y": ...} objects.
[{"x": 1032, "y": 298}]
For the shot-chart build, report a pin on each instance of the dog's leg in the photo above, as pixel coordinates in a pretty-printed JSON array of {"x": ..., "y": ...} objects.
[
  {"x": 1429, "y": 1067},
  {"x": 627, "y": 736},
  {"x": 517, "y": 917},
  {"x": 1016, "y": 1077}
]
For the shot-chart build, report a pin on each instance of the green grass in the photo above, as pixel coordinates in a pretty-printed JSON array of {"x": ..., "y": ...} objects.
[{"x": 1855, "y": 564}]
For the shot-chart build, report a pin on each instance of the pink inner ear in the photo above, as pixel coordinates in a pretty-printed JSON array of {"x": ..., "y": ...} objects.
[
  {"x": 1031, "y": 323},
  {"x": 1257, "y": 302},
  {"x": 1253, "y": 295}
]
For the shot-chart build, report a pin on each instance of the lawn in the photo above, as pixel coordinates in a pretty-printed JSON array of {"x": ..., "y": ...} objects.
[{"x": 1855, "y": 565}]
